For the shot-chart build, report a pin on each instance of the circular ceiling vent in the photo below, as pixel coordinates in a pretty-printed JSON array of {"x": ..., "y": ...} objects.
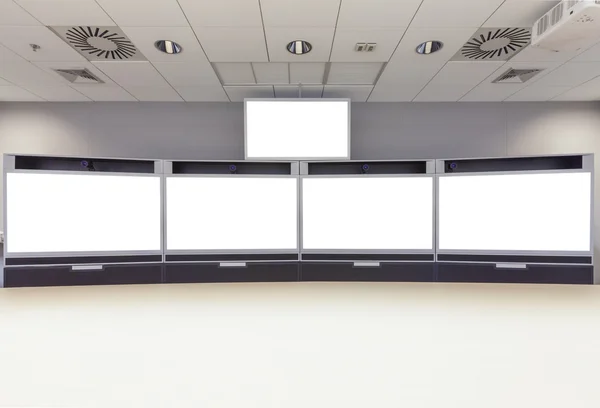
[
  {"x": 101, "y": 43},
  {"x": 494, "y": 44}
]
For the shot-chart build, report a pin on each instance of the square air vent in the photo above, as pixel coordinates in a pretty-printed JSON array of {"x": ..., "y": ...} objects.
[
  {"x": 100, "y": 43},
  {"x": 516, "y": 76},
  {"x": 494, "y": 44},
  {"x": 79, "y": 76}
]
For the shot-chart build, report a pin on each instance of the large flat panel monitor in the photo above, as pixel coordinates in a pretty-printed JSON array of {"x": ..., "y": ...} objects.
[
  {"x": 368, "y": 213},
  {"x": 82, "y": 213},
  {"x": 236, "y": 213},
  {"x": 301, "y": 129},
  {"x": 515, "y": 213}
]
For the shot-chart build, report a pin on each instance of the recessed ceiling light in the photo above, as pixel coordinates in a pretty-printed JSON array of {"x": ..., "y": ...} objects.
[
  {"x": 429, "y": 46},
  {"x": 168, "y": 47},
  {"x": 299, "y": 47}
]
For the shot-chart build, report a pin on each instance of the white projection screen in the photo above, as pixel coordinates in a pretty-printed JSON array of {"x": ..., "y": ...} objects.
[
  {"x": 82, "y": 213},
  {"x": 238, "y": 213},
  {"x": 367, "y": 213},
  {"x": 297, "y": 129},
  {"x": 515, "y": 212}
]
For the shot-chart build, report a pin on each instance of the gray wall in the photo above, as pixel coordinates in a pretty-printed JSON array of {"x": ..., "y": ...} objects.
[{"x": 379, "y": 130}]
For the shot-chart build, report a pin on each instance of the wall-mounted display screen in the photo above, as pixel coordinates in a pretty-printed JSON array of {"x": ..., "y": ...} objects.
[
  {"x": 48, "y": 213},
  {"x": 515, "y": 212},
  {"x": 367, "y": 213},
  {"x": 297, "y": 130},
  {"x": 231, "y": 213}
]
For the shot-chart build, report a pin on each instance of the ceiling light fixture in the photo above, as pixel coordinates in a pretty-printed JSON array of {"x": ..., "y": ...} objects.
[
  {"x": 168, "y": 47},
  {"x": 429, "y": 47},
  {"x": 299, "y": 47}
]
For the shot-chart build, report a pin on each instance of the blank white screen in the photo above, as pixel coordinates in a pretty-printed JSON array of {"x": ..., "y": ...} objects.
[
  {"x": 367, "y": 213},
  {"x": 230, "y": 213},
  {"x": 521, "y": 212},
  {"x": 297, "y": 129},
  {"x": 82, "y": 213}
]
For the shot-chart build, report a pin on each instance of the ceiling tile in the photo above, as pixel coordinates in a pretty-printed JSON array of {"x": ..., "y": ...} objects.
[
  {"x": 442, "y": 92},
  {"x": 590, "y": 91},
  {"x": 307, "y": 72},
  {"x": 226, "y": 44},
  {"x": 145, "y": 37},
  {"x": 519, "y": 13},
  {"x": 238, "y": 93},
  {"x": 538, "y": 93},
  {"x": 469, "y": 73},
  {"x": 104, "y": 93},
  {"x": 320, "y": 38},
  {"x": 14, "y": 93},
  {"x": 535, "y": 54},
  {"x": 271, "y": 72},
  {"x": 52, "y": 48},
  {"x": 377, "y": 13},
  {"x": 24, "y": 73},
  {"x": 137, "y": 13},
  {"x": 5, "y": 83},
  {"x": 13, "y": 14},
  {"x": 50, "y": 66},
  {"x": 571, "y": 74},
  {"x": 235, "y": 73},
  {"x": 222, "y": 13},
  {"x": 294, "y": 91},
  {"x": 590, "y": 55},
  {"x": 67, "y": 12},
  {"x": 202, "y": 93},
  {"x": 346, "y": 40},
  {"x": 137, "y": 73},
  {"x": 188, "y": 73},
  {"x": 58, "y": 93},
  {"x": 395, "y": 93},
  {"x": 458, "y": 13},
  {"x": 300, "y": 13},
  {"x": 488, "y": 92},
  {"x": 355, "y": 93},
  {"x": 359, "y": 73},
  {"x": 154, "y": 94}
]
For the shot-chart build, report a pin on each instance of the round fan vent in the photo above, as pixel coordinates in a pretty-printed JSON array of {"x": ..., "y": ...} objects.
[
  {"x": 101, "y": 43},
  {"x": 495, "y": 44}
]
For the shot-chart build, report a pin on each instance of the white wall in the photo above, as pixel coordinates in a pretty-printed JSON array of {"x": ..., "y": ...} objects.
[{"x": 301, "y": 345}]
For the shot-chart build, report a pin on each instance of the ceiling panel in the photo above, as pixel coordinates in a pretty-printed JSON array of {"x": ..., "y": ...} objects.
[
  {"x": 145, "y": 13},
  {"x": 396, "y": 93},
  {"x": 456, "y": 13},
  {"x": 355, "y": 93},
  {"x": 271, "y": 72},
  {"x": 442, "y": 92},
  {"x": 377, "y": 13},
  {"x": 13, "y": 14},
  {"x": 202, "y": 93},
  {"x": 194, "y": 73},
  {"x": 469, "y": 73},
  {"x": 5, "y": 83},
  {"x": 346, "y": 40},
  {"x": 590, "y": 91},
  {"x": 104, "y": 93},
  {"x": 534, "y": 54},
  {"x": 52, "y": 48},
  {"x": 14, "y": 93},
  {"x": 488, "y": 92},
  {"x": 58, "y": 93},
  {"x": 320, "y": 38},
  {"x": 67, "y": 12},
  {"x": 307, "y": 73},
  {"x": 294, "y": 91},
  {"x": 24, "y": 73},
  {"x": 222, "y": 13},
  {"x": 590, "y": 55},
  {"x": 537, "y": 93},
  {"x": 519, "y": 13},
  {"x": 571, "y": 74},
  {"x": 300, "y": 13},
  {"x": 145, "y": 37},
  {"x": 154, "y": 94},
  {"x": 359, "y": 73},
  {"x": 137, "y": 73},
  {"x": 235, "y": 73},
  {"x": 238, "y": 93},
  {"x": 225, "y": 44},
  {"x": 50, "y": 66}
]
